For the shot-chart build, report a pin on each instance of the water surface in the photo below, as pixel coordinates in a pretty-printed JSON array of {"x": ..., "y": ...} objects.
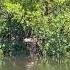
[{"x": 17, "y": 63}]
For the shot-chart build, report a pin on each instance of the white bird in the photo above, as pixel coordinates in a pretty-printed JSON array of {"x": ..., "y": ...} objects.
[{"x": 28, "y": 40}]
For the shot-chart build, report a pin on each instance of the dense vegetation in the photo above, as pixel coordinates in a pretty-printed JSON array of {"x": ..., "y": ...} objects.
[{"x": 48, "y": 20}]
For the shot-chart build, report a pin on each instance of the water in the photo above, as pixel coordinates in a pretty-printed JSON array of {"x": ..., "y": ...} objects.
[{"x": 17, "y": 63}]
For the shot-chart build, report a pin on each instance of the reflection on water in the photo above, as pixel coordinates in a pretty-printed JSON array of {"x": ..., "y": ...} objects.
[{"x": 8, "y": 63}]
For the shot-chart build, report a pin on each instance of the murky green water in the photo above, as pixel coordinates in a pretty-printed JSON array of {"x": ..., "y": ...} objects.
[{"x": 25, "y": 64}]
